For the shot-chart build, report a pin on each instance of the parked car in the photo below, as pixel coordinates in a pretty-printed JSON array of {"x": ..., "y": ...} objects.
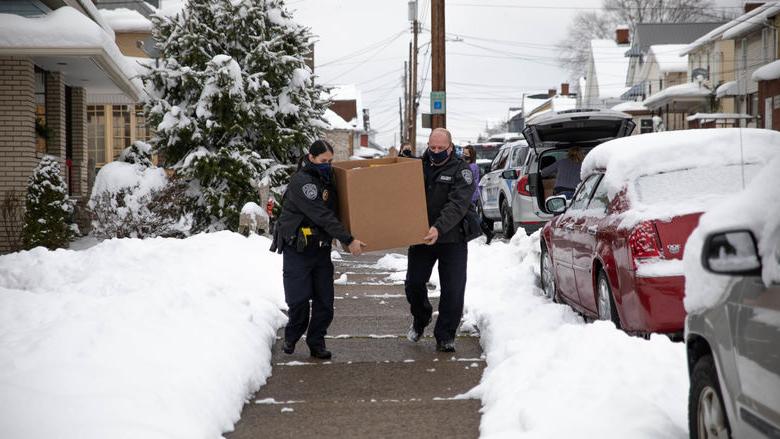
[
  {"x": 551, "y": 134},
  {"x": 732, "y": 331},
  {"x": 486, "y": 152},
  {"x": 498, "y": 186},
  {"x": 615, "y": 252}
]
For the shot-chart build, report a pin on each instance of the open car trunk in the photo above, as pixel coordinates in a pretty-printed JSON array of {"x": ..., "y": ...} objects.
[{"x": 551, "y": 134}]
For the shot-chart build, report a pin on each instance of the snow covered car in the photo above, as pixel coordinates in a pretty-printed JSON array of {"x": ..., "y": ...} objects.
[
  {"x": 732, "y": 296},
  {"x": 616, "y": 252},
  {"x": 551, "y": 134},
  {"x": 498, "y": 187}
]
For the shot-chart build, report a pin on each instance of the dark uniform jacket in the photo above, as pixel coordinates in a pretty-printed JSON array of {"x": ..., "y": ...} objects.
[
  {"x": 448, "y": 190},
  {"x": 309, "y": 202}
]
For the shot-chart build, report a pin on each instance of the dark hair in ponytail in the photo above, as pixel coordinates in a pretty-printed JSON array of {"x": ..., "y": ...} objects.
[{"x": 317, "y": 147}]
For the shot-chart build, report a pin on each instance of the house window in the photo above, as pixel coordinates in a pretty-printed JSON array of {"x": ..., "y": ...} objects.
[
  {"x": 120, "y": 123},
  {"x": 96, "y": 134},
  {"x": 41, "y": 130},
  {"x": 142, "y": 132}
]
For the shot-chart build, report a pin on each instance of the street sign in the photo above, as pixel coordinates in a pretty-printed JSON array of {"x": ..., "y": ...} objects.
[{"x": 438, "y": 102}]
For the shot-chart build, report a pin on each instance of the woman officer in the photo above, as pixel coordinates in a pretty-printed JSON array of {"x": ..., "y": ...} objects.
[{"x": 303, "y": 234}]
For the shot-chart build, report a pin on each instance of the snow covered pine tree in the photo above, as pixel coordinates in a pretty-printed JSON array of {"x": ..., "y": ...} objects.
[
  {"x": 48, "y": 209},
  {"x": 234, "y": 102}
]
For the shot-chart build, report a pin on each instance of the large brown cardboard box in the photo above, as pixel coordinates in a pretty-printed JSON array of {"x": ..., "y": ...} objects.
[{"x": 382, "y": 201}]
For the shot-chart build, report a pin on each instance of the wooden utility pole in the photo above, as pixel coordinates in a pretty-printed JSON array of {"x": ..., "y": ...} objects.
[
  {"x": 410, "y": 97},
  {"x": 405, "y": 121},
  {"x": 413, "y": 126},
  {"x": 438, "y": 58},
  {"x": 401, "y": 119}
]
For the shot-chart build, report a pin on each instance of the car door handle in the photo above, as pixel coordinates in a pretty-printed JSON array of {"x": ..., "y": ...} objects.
[{"x": 592, "y": 230}]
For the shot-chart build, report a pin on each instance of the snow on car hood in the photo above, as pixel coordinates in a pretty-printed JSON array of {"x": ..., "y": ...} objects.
[{"x": 757, "y": 208}]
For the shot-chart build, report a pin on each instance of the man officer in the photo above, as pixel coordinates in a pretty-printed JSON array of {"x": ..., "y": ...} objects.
[{"x": 448, "y": 189}]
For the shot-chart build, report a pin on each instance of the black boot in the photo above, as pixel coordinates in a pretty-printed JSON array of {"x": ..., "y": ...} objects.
[
  {"x": 487, "y": 231},
  {"x": 445, "y": 346},
  {"x": 288, "y": 347},
  {"x": 320, "y": 353}
]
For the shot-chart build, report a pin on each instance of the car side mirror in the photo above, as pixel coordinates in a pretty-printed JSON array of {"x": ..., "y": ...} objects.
[
  {"x": 556, "y": 204},
  {"x": 509, "y": 174},
  {"x": 733, "y": 252}
]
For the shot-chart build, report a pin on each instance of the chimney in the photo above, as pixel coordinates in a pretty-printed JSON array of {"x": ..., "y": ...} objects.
[
  {"x": 565, "y": 89},
  {"x": 749, "y": 6},
  {"x": 551, "y": 93},
  {"x": 622, "y": 36}
]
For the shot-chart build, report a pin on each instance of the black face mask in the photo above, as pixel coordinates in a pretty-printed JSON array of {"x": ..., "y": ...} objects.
[{"x": 438, "y": 157}]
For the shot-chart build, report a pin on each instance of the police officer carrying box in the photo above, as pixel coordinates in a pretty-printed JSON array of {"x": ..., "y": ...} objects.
[
  {"x": 303, "y": 234},
  {"x": 448, "y": 189}
]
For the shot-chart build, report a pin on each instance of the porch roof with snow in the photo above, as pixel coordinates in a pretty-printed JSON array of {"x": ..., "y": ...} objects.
[
  {"x": 730, "y": 88},
  {"x": 711, "y": 117},
  {"x": 69, "y": 42},
  {"x": 631, "y": 107},
  {"x": 768, "y": 72},
  {"x": 686, "y": 94}
]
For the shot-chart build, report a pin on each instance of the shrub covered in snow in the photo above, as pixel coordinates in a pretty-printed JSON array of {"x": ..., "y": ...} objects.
[
  {"x": 48, "y": 209},
  {"x": 232, "y": 98},
  {"x": 132, "y": 200},
  {"x": 139, "y": 153}
]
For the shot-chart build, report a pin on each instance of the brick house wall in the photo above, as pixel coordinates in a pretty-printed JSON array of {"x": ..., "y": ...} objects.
[{"x": 17, "y": 141}]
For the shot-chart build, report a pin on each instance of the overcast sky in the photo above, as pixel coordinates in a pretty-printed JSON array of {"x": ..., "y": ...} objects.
[{"x": 507, "y": 49}]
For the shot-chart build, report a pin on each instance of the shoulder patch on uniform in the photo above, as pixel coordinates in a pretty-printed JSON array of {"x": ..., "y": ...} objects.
[
  {"x": 466, "y": 173},
  {"x": 310, "y": 190}
]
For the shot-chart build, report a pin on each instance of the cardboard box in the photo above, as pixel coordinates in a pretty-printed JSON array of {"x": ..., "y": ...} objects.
[{"x": 382, "y": 201}]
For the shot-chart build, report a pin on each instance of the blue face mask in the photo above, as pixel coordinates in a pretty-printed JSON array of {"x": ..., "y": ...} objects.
[
  {"x": 438, "y": 157},
  {"x": 324, "y": 169}
]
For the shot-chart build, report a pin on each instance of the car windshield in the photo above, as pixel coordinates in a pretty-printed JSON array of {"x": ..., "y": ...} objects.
[
  {"x": 487, "y": 153},
  {"x": 693, "y": 184}
]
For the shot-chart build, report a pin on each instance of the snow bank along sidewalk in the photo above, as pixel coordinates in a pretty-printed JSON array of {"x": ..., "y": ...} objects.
[
  {"x": 157, "y": 338},
  {"x": 549, "y": 374}
]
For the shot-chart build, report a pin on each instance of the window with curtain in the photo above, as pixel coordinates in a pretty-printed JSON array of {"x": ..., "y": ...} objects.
[
  {"x": 96, "y": 134},
  {"x": 41, "y": 129}
]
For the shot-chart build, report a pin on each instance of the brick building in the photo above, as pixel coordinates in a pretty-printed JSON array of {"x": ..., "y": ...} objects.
[{"x": 55, "y": 55}]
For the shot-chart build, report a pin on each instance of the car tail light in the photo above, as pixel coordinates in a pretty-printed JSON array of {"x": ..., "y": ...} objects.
[
  {"x": 643, "y": 242},
  {"x": 522, "y": 186}
]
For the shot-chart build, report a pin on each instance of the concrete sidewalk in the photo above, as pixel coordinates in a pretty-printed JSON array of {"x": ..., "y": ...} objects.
[{"x": 378, "y": 383}]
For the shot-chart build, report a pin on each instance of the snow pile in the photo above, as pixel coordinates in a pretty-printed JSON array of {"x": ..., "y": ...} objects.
[
  {"x": 668, "y": 58},
  {"x": 550, "y": 375},
  {"x": 755, "y": 209},
  {"x": 126, "y": 20},
  {"x": 768, "y": 72},
  {"x": 156, "y": 338},
  {"x": 136, "y": 181},
  {"x": 687, "y": 90},
  {"x": 392, "y": 262}
]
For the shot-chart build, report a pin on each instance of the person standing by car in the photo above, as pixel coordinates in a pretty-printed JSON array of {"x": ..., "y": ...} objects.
[
  {"x": 470, "y": 157},
  {"x": 303, "y": 234},
  {"x": 567, "y": 172},
  {"x": 448, "y": 189}
]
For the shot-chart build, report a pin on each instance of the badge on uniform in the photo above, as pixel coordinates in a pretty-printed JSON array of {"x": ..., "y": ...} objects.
[
  {"x": 466, "y": 173},
  {"x": 325, "y": 194},
  {"x": 310, "y": 191}
]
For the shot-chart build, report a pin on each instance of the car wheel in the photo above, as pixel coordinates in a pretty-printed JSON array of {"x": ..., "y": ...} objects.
[
  {"x": 605, "y": 303},
  {"x": 507, "y": 223},
  {"x": 706, "y": 415},
  {"x": 548, "y": 275}
]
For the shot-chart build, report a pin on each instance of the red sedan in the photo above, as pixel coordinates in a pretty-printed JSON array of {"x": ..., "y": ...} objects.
[{"x": 615, "y": 253}]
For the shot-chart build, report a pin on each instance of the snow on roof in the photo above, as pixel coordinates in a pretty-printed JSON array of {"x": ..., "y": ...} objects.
[
  {"x": 610, "y": 65},
  {"x": 169, "y": 8},
  {"x": 682, "y": 91},
  {"x": 63, "y": 30},
  {"x": 630, "y": 106},
  {"x": 668, "y": 57},
  {"x": 755, "y": 209},
  {"x": 768, "y": 72},
  {"x": 126, "y": 20},
  {"x": 370, "y": 153},
  {"x": 562, "y": 103},
  {"x": 730, "y": 88},
  {"x": 708, "y": 117},
  {"x": 348, "y": 92},
  {"x": 336, "y": 122},
  {"x": 93, "y": 12},
  {"x": 755, "y": 22},
  {"x": 630, "y": 157},
  {"x": 718, "y": 32}
]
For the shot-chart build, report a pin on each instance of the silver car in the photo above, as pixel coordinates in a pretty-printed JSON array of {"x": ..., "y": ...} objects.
[
  {"x": 497, "y": 188},
  {"x": 733, "y": 346}
]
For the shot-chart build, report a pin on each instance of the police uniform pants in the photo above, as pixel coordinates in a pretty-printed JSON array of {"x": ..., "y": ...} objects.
[
  {"x": 308, "y": 277},
  {"x": 452, "y": 275}
]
